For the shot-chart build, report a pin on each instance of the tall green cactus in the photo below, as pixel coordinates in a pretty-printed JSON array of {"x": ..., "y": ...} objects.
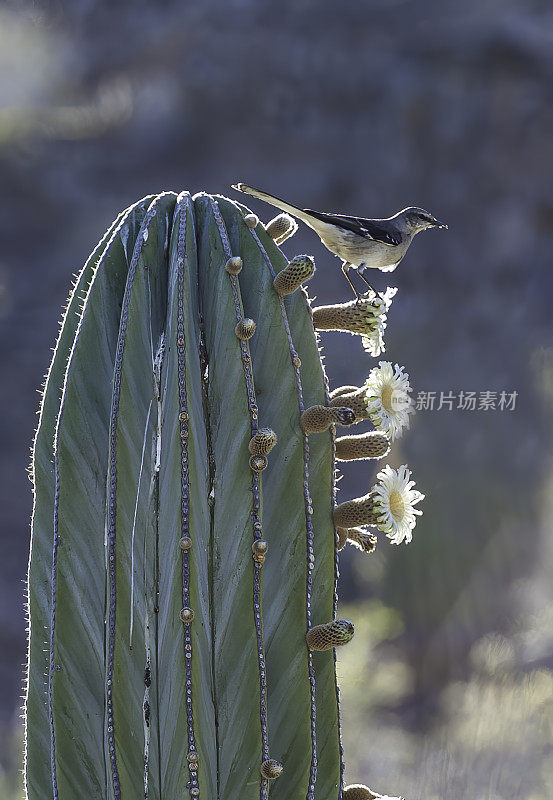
[{"x": 182, "y": 577}]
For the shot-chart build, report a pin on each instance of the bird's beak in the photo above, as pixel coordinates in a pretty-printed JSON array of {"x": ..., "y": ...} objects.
[{"x": 438, "y": 224}]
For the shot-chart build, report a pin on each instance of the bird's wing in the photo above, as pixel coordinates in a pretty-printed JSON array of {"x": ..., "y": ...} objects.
[{"x": 368, "y": 228}]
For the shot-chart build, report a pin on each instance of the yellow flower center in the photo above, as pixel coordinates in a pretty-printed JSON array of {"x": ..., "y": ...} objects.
[
  {"x": 397, "y": 505},
  {"x": 386, "y": 397}
]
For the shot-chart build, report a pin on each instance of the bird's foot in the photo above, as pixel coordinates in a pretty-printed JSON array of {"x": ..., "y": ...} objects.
[
  {"x": 369, "y": 292},
  {"x": 371, "y": 289}
]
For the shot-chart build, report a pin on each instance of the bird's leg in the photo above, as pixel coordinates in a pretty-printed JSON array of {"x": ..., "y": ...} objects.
[
  {"x": 361, "y": 273},
  {"x": 345, "y": 269}
]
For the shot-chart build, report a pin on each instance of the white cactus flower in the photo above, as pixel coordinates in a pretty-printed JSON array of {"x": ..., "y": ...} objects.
[
  {"x": 394, "y": 499},
  {"x": 388, "y": 401}
]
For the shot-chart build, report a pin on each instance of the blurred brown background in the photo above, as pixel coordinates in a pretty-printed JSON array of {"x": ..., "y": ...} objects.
[{"x": 355, "y": 107}]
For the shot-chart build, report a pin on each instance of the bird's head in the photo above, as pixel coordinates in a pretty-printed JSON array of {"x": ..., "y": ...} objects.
[{"x": 417, "y": 219}]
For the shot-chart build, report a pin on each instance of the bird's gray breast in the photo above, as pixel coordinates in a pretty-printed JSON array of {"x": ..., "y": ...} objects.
[{"x": 358, "y": 250}]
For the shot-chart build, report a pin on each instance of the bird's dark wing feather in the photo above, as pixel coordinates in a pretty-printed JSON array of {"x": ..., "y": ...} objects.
[{"x": 368, "y": 228}]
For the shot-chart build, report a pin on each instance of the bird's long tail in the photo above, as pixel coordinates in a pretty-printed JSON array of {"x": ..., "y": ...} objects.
[{"x": 274, "y": 201}]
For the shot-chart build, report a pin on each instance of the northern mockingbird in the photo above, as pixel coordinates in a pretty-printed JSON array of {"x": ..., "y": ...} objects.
[{"x": 360, "y": 243}]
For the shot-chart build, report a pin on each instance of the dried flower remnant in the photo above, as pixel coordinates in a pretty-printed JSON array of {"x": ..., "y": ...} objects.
[{"x": 365, "y": 317}]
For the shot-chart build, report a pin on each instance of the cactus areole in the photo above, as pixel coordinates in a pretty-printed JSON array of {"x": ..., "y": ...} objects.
[{"x": 183, "y": 542}]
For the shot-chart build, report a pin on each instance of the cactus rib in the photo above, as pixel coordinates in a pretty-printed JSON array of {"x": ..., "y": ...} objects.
[
  {"x": 56, "y": 539},
  {"x": 112, "y": 498},
  {"x": 338, "y": 545},
  {"x": 310, "y": 556},
  {"x": 256, "y": 432},
  {"x": 319, "y": 513},
  {"x": 187, "y": 614},
  {"x": 284, "y": 508}
]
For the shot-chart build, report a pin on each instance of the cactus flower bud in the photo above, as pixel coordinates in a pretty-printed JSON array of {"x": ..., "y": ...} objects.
[
  {"x": 352, "y": 397},
  {"x": 245, "y": 329},
  {"x": 234, "y": 265},
  {"x": 263, "y": 442},
  {"x": 331, "y": 634},
  {"x": 281, "y": 228},
  {"x": 365, "y": 446},
  {"x": 319, "y": 418},
  {"x": 271, "y": 769},
  {"x": 299, "y": 270}
]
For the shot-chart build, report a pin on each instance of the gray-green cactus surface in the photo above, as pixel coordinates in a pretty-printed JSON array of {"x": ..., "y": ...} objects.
[{"x": 168, "y": 655}]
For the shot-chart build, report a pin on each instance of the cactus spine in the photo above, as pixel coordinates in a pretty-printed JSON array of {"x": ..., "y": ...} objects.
[{"x": 184, "y": 556}]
